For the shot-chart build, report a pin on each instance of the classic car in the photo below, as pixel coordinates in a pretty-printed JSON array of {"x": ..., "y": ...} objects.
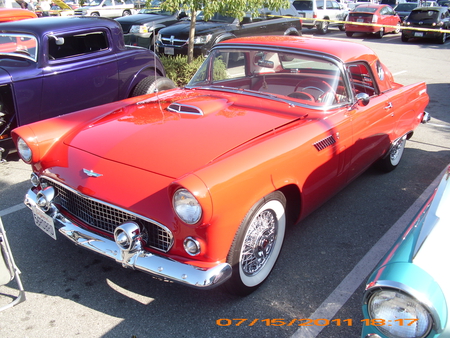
[
  {"x": 427, "y": 23},
  {"x": 56, "y": 65},
  {"x": 408, "y": 294},
  {"x": 141, "y": 29},
  {"x": 14, "y": 14},
  {"x": 373, "y": 19},
  {"x": 174, "y": 39},
  {"x": 58, "y": 8},
  {"x": 107, "y": 8},
  {"x": 404, "y": 9},
  {"x": 197, "y": 184},
  {"x": 321, "y": 14}
]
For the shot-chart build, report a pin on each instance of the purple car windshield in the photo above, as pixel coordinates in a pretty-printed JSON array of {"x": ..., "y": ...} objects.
[{"x": 18, "y": 45}]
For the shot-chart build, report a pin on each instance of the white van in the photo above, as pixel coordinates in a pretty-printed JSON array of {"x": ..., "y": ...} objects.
[
  {"x": 107, "y": 8},
  {"x": 316, "y": 13}
]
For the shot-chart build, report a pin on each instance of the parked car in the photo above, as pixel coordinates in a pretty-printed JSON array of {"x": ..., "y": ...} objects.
[
  {"x": 200, "y": 183},
  {"x": 173, "y": 40},
  {"x": 444, "y": 3},
  {"x": 426, "y": 23},
  {"x": 404, "y": 9},
  {"x": 107, "y": 8},
  {"x": 367, "y": 19},
  {"x": 408, "y": 293},
  {"x": 14, "y": 14},
  {"x": 141, "y": 29},
  {"x": 52, "y": 66},
  {"x": 352, "y": 5},
  {"x": 58, "y": 8},
  {"x": 320, "y": 14}
]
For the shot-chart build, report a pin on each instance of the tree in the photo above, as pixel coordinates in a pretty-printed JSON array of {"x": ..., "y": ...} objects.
[{"x": 233, "y": 8}]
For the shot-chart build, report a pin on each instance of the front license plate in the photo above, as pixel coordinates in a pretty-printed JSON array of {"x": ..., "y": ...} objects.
[
  {"x": 44, "y": 222},
  {"x": 418, "y": 34},
  {"x": 169, "y": 51}
]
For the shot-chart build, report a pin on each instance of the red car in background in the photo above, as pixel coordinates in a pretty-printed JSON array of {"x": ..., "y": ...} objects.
[
  {"x": 373, "y": 19},
  {"x": 14, "y": 14}
]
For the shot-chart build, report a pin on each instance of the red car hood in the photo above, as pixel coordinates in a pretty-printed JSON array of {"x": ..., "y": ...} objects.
[{"x": 151, "y": 137}]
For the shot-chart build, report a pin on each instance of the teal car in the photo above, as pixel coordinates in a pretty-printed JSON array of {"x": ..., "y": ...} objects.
[{"x": 408, "y": 294}]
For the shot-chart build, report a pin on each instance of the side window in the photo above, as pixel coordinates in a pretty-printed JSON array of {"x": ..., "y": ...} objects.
[
  {"x": 320, "y": 4},
  {"x": 72, "y": 45},
  {"x": 108, "y": 3},
  {"x": 267, "y": 14},
  {"x": 362, "y": 79}
]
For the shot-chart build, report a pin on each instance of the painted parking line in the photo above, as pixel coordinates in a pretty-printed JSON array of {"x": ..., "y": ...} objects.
[
  {"x": 335, "y": 301},
  {"x": 12, "y": 209}
]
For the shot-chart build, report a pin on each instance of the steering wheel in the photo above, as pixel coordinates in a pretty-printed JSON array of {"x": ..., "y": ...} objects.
[
  {"x": 302, "y": 96},
  {"x": 320, "y": 89}
]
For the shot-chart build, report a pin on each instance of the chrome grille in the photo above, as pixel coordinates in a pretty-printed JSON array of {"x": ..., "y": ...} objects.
[{"x": 106, "y": 218}]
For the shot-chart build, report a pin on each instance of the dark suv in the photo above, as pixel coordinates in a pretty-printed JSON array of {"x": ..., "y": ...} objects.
[
  {"x": 432, "y": 18},
  {"x": 173, "y": 40},
  {"x": 141, "y": 29}
]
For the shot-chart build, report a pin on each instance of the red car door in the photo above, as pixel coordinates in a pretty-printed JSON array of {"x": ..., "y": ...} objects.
[{"x": 372, "y": 124}]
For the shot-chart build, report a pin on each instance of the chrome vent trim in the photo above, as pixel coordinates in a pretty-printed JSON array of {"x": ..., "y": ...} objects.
[
  {"x": 325, "y": 143},
  {"x": 106, "y": 217},
  {"x": 184, "y": 109}
]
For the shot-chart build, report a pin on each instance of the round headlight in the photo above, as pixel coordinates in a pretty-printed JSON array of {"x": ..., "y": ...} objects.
[
  {"x": 186, "y": 206},
  {"x": 24, "y": 150},
  {"x": 402, "y": 315}
]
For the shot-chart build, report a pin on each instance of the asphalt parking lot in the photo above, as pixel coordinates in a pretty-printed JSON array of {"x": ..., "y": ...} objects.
[{"x": 320, "y": 274}]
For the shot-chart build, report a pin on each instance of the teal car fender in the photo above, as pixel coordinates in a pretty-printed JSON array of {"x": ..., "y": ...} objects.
[{"x": 407, "y": 295}]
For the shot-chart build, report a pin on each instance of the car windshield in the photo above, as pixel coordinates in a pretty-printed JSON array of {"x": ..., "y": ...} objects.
[
  {"x": 405, "y": 7},
  {"x": 18, "y": 45},
  {"x": 154, "y": 8},
  {"x": 215, "y": 18},
  {"x": 424, "y": 15},
  {"x": 303, "y": 5},
  {"x": 94, "y": 3},
  {"x": 365, "y": 9},
  {"x": 301, "y": 79}
]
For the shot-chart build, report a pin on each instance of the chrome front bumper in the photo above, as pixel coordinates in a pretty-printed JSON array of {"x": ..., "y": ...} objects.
[{"x": 134, "y": 257}]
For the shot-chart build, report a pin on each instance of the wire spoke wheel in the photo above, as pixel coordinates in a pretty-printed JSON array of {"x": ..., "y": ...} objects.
[{"x": 257, "y": 244}]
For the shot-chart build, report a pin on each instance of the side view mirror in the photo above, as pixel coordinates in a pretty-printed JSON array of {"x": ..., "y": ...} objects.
[
  {"x": 58, "y": 41},
  {"x": 246, "y": 19},
  {"x": 362, "y": 99}
]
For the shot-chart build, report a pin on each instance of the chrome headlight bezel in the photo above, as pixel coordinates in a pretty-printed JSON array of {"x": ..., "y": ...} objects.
[
  {"x": 25, "y": 152},
  {"x": 386, "y": 304},
  {"x": 186, "y": 206}
]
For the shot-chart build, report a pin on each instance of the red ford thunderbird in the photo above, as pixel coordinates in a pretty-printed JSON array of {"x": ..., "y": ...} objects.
[{"x": 197, "y": 184}]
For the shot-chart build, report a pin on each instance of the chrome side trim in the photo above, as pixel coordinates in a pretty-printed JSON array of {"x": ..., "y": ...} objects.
[{"x": 160, "y": 267}]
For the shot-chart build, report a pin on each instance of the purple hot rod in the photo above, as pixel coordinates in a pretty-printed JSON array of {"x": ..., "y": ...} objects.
[{"x": 53, "y": 66}]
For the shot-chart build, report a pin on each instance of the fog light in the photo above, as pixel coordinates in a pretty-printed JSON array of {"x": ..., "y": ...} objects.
[
  {"x": 45, "y": 197},
  {"x": 127, "y": 236},
  {"x": 192, "y": 246}
]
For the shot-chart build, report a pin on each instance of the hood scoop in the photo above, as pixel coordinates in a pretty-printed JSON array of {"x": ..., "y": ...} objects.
[{"x": 184, "y": 109}]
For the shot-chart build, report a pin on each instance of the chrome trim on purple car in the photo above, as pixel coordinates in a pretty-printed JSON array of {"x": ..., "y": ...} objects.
[{"x": 132, "y": 256}]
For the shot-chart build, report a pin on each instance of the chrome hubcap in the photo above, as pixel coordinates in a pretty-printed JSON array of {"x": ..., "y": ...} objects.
[{"x": 259, "y": 242}]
